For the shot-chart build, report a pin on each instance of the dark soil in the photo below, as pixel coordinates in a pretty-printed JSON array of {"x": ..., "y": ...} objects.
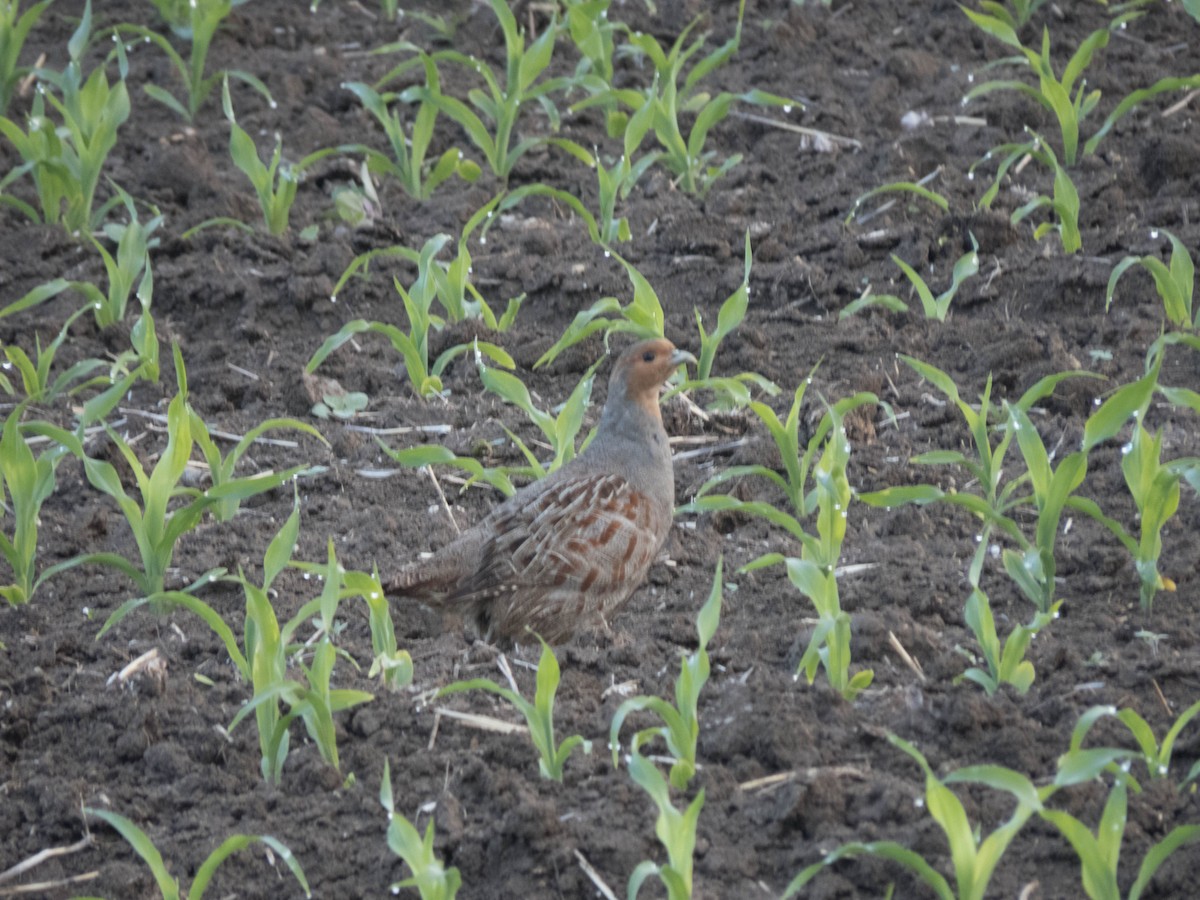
[{"x": 248, "y": 311}]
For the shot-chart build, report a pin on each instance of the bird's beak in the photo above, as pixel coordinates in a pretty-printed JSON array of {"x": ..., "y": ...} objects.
[{"x": 679, "y": 357}]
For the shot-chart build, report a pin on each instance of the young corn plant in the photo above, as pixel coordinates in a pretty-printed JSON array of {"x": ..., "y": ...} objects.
[
  {"x": 642, "y": 316},
  {"x": 813, "y": 573},
  {"x": 130, "y": 266},
  {"x": 539, "y": 714},
  {"x": 732, "y": 392},
  {"x": 414, "y": 346},
  {"x": 393, "y": 666},
  {"x": 675, "y": 830},
  {"x": 14, "y": 29},
  {"x": 1003, "y": 663},
  {"x": 1153, "y": 485},
  {"x": 198, "y": 21},
  {"x": 430, "y": 877},
  {"x": 1063, "y": 203},
  {"x": 666, "y": 100},
  {"x": 168, "y": 886},
  {"x": 1099, "y": 852},
  {"x": 1156, "y": 756},
  {"x": 452, "y": 286},
  {"x": 614, "y": 182},
  {"x": 560, "y": 430},
  {"x": 501, "y": 104},
  {"x": 975, "y": 857},
  {"x": 1061, "y": 95},
  {"x": 1065, "y": 97},
  {"x": 1032, "y": 568},
  {"x": 436, "y": 455},
  {"x": 36, "y": 384},
  {"x": 418, "y": 176},
  {"x": 270, "y": 648},
  {"x": 156, "y": 526},
  {"x": 275, "y": 183},
  {"x": 967, "y": 266},
  {"x": 66, "y": 160},
  {"x": 25, "y": 483},
  {"x": 1174, "y": 281},
  {"x": 681, "y": 722}
]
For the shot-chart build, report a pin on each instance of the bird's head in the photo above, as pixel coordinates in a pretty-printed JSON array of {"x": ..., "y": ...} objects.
[{"x": 643, "y": 369}]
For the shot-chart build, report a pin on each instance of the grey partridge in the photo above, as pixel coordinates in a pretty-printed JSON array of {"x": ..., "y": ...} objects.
[{"x": 575, "y": 545}]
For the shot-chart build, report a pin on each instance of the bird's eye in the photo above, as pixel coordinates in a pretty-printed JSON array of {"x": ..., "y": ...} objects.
[{"x": 648, "y": 356}]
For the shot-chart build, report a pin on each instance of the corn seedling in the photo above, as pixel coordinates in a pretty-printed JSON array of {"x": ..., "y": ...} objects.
[
  {"x": 429, "y": 876},
  {"x": 1153, "y": 485},
  {"x": 731, "y": 391},
  {"x": 642, "y": 316},
  {"x": 198, "y": 21},
  {"x": 614, "y": 182},
  {"x": 269, "y": 648},
  {"x": 539, "y": 714},
  {"x": 1064, "y": 203},
  {"x": 1099, "y": 852},
  {"x": 1015, "y": 13},
  {"x": 221, "y": 468},
  {"x": 1156, "y": 756},
  {"x": 275, "y": 183},
  {"x": 268, "y": 651},
  {"x": 560, "y": 430},
  {"x": 589, "y": 28},
  {"x": 974, "y": 857},
  {"x": 36, "y": 384},
  {"x": 130, "y": 266},
  {"x": 681, "y": 722},
  {"x": 1061, "y": 96},
  {"x": 1069, "y": 104},
  {"x": 1003, "y": 663},
  {"x": 418, "y": 305},
  {"x": 1032, "y": 569},
  {"x": 168, "y": 886},
  {"x": 393, "y": 666},
  {"x": 813, "y": 573},
  {"x": 675, "y": 830},
  {"x": 937, "y": 307},
  {"x": 666, "y": 100},
  {"x": 408, "y": 164},
  {"x": 14, "y": 29},
  {"x": 157, "y": 528},
  {"x": 1174, "y": 281},
  {"x": 436, "y": 455},
  {"x": 65, "y": 161},
  {"x": 25, "y": 483},
  {"x": 900, "y": 187},
  {"x": 501, "y": 104},
  {"x": 451, "y": 282}
]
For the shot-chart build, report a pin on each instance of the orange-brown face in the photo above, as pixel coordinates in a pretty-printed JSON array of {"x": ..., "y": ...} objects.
[{"x": 644, "y": 368}]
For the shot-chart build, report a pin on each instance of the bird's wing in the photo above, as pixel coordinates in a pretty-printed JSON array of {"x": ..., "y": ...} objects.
[{"x": 587, "y": 535}]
